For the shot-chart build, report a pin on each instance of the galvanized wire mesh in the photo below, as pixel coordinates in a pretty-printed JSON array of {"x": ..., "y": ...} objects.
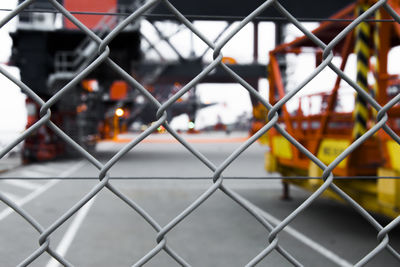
[{"x": 101, "y": 56}]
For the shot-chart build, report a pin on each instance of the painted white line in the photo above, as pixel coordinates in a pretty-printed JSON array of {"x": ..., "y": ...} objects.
[
  {"x": 301, "y": 237},
  {"x": 156, "y": 185},
  {"x": 45, "y": 169},
  {"x": 6, "y": 212},
  {"x": 23, "y": 184},
  {"x": 31, "y": 173},
  {"x": 71, "y": 232}
]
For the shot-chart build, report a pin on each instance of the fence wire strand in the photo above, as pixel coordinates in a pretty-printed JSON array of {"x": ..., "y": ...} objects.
[
  {"x": 160, "y": 16},
  {"x": 105, "y": 180}
]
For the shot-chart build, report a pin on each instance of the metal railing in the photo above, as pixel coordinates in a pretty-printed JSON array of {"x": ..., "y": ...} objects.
[{"x": 102, "y": 54}]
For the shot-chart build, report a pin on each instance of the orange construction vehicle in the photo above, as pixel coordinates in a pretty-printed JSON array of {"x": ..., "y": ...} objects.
[{"x": 326, "y": 129}]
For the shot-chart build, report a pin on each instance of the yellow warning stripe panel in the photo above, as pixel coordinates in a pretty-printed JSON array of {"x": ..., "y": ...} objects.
[
  {"x": 330, "y": 149},
  {"x": 363, "y": 27},
  {"x": 359, "y": 130},
  {"x": 362, "y": 50},
  {"x": 361, "y": 67},
  {"x": 362, "y": 110},
  {"x": 281, "y": 147},
  {"x": 394, "y": 151},
  {"x": 377, "y": 45}
]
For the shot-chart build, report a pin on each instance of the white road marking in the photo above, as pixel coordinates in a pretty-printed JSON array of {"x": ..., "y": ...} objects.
[
  {"x": 23, "y": 184},
  {"x": 301, "y": 237},
  {"x": 31, "y": 173},
  {"x": 6, "y": 212},
  {"x": 45, "y": 169},
  {"x": 71, "y": 232}
]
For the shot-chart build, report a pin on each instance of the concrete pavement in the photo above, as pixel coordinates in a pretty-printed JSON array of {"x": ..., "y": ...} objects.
[{"x": 218, "y": 233}]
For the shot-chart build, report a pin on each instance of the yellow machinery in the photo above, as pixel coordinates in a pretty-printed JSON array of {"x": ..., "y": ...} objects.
[{"x": 329, "y": 131}]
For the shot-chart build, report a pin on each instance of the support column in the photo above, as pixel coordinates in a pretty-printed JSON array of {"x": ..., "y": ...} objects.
[{"x": 362, "y": 51}]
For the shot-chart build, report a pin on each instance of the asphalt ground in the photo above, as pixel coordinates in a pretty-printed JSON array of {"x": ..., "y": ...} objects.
[{"x": 106, "y": 232}]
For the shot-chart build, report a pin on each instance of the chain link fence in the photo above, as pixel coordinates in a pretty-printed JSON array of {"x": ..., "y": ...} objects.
[{"x": 102, "y": 56}]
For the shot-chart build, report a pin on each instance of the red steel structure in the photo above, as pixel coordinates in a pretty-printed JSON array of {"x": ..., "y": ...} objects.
[{"x": 328, "y": 132}]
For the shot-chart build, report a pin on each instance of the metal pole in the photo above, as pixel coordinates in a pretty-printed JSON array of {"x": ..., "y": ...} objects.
[
  {"x": 255, "y": 44},
  {"x": 279, "y": 39}
]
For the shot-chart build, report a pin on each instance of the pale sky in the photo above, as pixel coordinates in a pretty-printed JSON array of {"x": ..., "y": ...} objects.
[
  {"x": 12, "y": 102},
  {"x": 233, "y": 99}
]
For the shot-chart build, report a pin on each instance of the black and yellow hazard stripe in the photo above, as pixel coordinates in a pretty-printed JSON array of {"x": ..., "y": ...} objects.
[
  {"x": 377, "y": 46},
  {"x": 362, "y": 51}
]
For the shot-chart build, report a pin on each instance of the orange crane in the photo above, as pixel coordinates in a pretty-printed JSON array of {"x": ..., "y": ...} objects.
[{"x": 328, "y": 132}]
